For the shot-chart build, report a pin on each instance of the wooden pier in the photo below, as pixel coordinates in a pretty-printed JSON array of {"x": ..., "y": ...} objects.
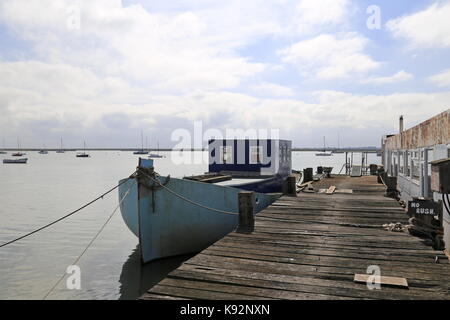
[{"x": 311, "y": 247}]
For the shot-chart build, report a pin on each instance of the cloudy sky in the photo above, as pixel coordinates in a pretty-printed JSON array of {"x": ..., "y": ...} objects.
[{"x": 103, "y": 70}]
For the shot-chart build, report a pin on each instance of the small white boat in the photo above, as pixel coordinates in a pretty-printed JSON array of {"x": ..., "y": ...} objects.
[
  {"x": 324, "y": 153},
  {"x": 155, "y": 155},
  {"x": 23, "y": 160}
]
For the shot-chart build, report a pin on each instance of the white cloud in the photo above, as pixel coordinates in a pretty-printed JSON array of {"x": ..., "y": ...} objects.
[
  {"x": 313, "y": 14},
  {"x": 273, "y": 89},
  {"x": 428, "y": 28},
  {"x": 128, "y": 68},
  {"x": 167, "y": 52},
  {"x": 330, "y": 56},
  {"x": 398, "y": 77},
  {"x": 441, "y": 79}
]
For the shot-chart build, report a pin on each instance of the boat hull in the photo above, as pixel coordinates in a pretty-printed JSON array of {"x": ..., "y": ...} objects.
[
  {"x": 23, "y": 161},
  {"x": 168, "y": 225}
]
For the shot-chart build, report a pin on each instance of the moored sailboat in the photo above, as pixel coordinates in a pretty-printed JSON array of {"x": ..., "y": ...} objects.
[
  {"x": 83, "y": 154},
  {"x": 155, "y": 155},
  {"x": 142, "y": 151},
  {"x": 18, "y": 153},
  {"x": 60, "y": 150},
  {"x": 324, "y": 153}
]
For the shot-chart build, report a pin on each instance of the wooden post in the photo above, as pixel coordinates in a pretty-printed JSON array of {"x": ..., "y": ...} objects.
[
  {"x": 290, "y": 186},
  {"x": 307, "y": 175},
  {"x": 246, "y": 201}
]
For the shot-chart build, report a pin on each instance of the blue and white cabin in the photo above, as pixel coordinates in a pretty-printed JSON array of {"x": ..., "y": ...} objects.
[{"x": 250, "y": 157}]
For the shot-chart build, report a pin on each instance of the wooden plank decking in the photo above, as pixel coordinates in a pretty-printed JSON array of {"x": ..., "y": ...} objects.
[{"x": 310, "y": 247}]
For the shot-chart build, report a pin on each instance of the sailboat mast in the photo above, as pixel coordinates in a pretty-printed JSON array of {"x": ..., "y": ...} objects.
[{"x": 339, "y": 143}]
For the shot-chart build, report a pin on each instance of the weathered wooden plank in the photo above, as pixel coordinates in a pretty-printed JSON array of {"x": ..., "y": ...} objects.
[
  {"x": 308, "y": 284},
  {"x": 189, "y": 293},
  {"x": 326, "y": 252},
  {"x": 331, "y": 190},
  {"x": 306, "y": 266},
  {"x": 254, "y": 291},
  {"x": 337, "y": 262},
  {"x": 384, "y": 280}
]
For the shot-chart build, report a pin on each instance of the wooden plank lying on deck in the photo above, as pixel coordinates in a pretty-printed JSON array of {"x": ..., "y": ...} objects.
[
  {"x": 331, "y": 190},
  {"x": 311, "y": 247},
  {"x": 390, "y": 281}
]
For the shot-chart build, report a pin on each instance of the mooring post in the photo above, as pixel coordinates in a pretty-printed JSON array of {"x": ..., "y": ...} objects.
[
  {"x": 307, "y": 175},
  {"x": 290, "y": 186},
  {"x": 246, "y": 202}
]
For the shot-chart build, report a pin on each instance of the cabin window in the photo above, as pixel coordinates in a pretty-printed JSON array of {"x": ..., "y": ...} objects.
[
  {"x": 401, "y": 162},
  {"x": 255, "y": 154},
  {"x": 226, "y": 154}
]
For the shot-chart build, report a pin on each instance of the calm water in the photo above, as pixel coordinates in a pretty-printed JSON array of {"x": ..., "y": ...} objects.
[{"x": 52, "y": 185}]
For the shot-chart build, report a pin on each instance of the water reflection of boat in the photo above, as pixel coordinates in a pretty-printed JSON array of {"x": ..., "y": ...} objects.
[
  {"x": 173, "y": 216},
  {"x": 136, "y": 278}
]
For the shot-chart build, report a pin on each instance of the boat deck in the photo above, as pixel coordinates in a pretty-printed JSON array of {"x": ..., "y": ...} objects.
[{"x": 310, "y": 247}]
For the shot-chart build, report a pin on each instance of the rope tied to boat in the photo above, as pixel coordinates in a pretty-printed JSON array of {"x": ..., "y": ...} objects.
[
  {"x": 153, "y": 176},
  {"x": 90, "y": 242}
]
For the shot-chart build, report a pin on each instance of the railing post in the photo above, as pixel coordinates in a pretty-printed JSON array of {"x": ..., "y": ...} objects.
[{"x": 246, "y": 202}]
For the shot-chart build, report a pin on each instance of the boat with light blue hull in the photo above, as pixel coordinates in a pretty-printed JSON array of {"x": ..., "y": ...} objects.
[
  {"x": 168, "y": 225},
  {"x": 173, "y": 216}
]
